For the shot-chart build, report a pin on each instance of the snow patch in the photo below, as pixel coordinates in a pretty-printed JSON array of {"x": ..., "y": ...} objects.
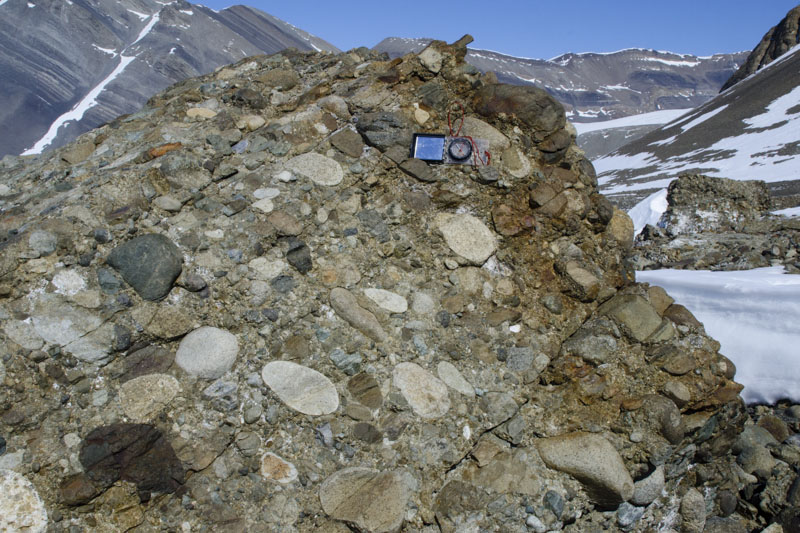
[
  {"x": 187, "y": 12},
  {"x": 153, "y": 21},
  {"x": 142, "y": 16},
  {"x": 3, "y": 2},
  {"x": 649, "y": 211},
  {"x": 643, "y": 119},
  {"x": 109, "y": 51},
  {"x": 776, "y": 111},
  {"x": 754, "y": 316},
  {"x": 77, "y": 112},
  {"x": 672, "y": 62},
  {"x": 789, "y": 212},
  {"x": 702, "y": 118}
]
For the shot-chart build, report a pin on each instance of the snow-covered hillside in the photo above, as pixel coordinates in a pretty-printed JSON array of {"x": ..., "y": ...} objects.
[{"x": 749, "y": 131}]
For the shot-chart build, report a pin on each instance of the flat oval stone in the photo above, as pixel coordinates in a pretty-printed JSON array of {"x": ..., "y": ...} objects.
[
  {"x": 374, "y": 501},
  {"x": 21, "y": 507},
  {"x": 301, "y": 388},
  {"x": 346, "y": 306},
  {"x": 207, "y": 352},
  {"x": 144, "y": 397},
  {"x": 390, "y": 301},
  {"x": 150, "y": 264},
  {"x": 468, "y": 237},
  {"x": 316, "y": 167},
  {"x": 453, "y": 378},
  {"x": 426, "y": 394}
]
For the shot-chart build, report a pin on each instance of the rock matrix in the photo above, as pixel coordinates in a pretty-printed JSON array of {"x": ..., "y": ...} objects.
[
  {"x": 718, "y": 224},
  {"x": 335, "y": 353}
]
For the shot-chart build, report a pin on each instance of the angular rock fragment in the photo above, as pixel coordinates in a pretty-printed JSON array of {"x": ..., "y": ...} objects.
[
  {"x": 370, "y": 500},
  {"x": 634, "y": 314},
  {"x": 21, "y": 507},
  {"x": 593, "y": 461},
  {"x": 142, "y": 398},
  {"x": 137, "y": 453},
  {"x": 150, "y": 264},
  {"x": 277, "y": 469}
]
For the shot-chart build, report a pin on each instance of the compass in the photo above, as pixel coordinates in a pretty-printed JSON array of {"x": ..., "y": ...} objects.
[{"x": 460, "y": 148}]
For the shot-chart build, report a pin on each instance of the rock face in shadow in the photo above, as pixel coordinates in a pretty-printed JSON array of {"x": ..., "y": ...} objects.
[{"x": 776, "y": 42}]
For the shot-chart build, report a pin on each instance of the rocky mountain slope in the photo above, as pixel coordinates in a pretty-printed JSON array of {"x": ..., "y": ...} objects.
[
  {"x": 776, "y": 42},
  {"x": 82, "y": 63},
  {"x": 244, "y": 308},
  {"x": 598, "y": 87},
  {"x": 747, "y": 132}
]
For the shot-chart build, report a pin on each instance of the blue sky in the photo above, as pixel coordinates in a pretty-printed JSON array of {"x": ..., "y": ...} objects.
[{"x": 538, "y": 29}]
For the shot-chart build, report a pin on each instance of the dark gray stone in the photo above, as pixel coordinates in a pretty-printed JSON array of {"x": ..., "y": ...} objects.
[
  {"x": 349, "y": 363},
  {"x": 223, "y": 395},
  {"x": 383, "y": 130},
  {"x": 102, "y": 235},
  {"x": 283, "y": 284},
  {"x": 150, "y": 264},
  {"x": 108, "y": 280},
  {"x": 419, "y": 169},
  {"x": 374, "y": 222},
  {"x": 555, "y": 502},
  {"x": 519, "y": 359},
  {"x": 299, "y": 255},
  {"x": 122, "y": 338}
]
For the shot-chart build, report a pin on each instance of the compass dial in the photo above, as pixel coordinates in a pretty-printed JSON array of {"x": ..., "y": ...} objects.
[{"x": 460, "y": 149}]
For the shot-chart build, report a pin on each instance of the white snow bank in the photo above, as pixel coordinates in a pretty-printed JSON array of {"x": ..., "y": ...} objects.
[
  {"x": 788, "y": 212},
  {"x": 754, "y": 315},
  {"x": 655, "y": 117},
  {"x": 648, "y": 211}
]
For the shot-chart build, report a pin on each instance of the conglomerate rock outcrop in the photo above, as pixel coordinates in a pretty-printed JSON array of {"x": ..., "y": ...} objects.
[{"x": 316, "y": 332}]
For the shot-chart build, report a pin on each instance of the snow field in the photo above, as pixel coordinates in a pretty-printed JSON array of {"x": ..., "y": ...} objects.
[{"x": 754, "y": 314}]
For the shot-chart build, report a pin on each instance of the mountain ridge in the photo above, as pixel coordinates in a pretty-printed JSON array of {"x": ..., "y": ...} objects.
[
  {"x": 184, "y": 40},
  {"x": 747, "y": 132},
  {"x": 599, "y": 86}
]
